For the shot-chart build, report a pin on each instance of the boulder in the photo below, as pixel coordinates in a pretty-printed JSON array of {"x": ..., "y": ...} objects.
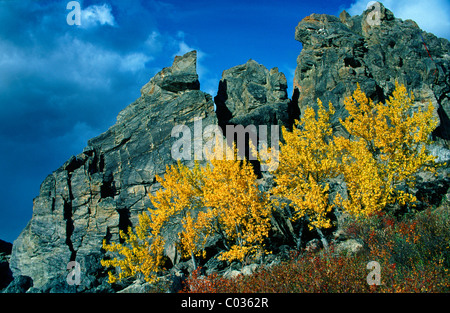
[{"x": 350, "y": 247}]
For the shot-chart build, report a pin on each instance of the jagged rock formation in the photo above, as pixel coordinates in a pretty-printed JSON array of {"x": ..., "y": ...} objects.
[
  {"x": 339, "y": 52},
  {"x": 102, "y": 190},
  {"x": 250, "y": 94}
]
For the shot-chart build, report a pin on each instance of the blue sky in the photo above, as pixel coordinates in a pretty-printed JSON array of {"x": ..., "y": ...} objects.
[{"x": 61, "y": 85}]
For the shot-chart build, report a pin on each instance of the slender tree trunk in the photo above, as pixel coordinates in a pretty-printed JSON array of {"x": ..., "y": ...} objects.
[
  {"x": 289, "y": 225},
  {"x": 193, "y": 260},
  {"x": 323, "y": 239},
  {"x": 300, "y": 232}
]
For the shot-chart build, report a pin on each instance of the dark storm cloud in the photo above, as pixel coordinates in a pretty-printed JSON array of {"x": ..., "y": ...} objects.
[
  {"x": 51, "y": 73},
  {"x": 61, "y": 85}
]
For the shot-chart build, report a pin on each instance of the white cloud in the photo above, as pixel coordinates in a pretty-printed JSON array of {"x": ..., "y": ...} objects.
[
  {"x": 97, "y": 14},
  {"x": 134, "y": 62},
  {"x": 183, "y": 48},
  {"x": 154, "y": 42},
  {"x": 431, "y": 15}
]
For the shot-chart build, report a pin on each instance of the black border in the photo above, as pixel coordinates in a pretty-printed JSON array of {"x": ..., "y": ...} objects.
[{"x": 153, "y": 302}]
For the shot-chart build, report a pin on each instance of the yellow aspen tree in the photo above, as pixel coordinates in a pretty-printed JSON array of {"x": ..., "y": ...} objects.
[
  {"x": 241, "y": 209},
  {"x": 307, "y": 161},
  {"x": 365, "y": 187},
  {"x": 141, "y": 255},
  {"x": 219, "y": 199},
  {"x": 387, "y": 147}
]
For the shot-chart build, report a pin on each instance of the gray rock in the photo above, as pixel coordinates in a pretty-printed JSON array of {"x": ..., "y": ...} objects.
[
  {"x": 250, "y": 94},
  {"x": 249, "y": 269},
  {"x": 340, "y": 52},
  {"x": 181, "y": 76},
  {"x": 245, "y": 271},
  {"x": 137, "y": 287},
  {"x": 313, "y": 245},
  {"x": 5, "y": 272},
  {"x": 231, "y": 274},
  {"x": 103, "y": 189},
  {"x": 349, "y": 247},
  {"x": 20, "y": 284}
]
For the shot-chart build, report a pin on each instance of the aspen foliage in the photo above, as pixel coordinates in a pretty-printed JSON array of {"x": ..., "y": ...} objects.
[
  {"x": 220, "y": 199},
  {"x": 141, "y": 255},
  {"x": 386, "y": 148},
  {"x": 307, "y": 161},
  {"x": 241, "y": 211},
  {"x": 220, "y": 202}
]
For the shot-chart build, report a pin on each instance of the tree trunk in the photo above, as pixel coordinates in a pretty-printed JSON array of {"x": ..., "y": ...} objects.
[
  {"x": 300, "y": 232},
  {"x": 193, "y": 260},
  {"x": 323, "y": 239}
]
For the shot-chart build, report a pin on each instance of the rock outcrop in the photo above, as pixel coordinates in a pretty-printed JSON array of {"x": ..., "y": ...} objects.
[
  {"x": 101, "y": 191},
  {"x": 5, "y": 272},
  {"x": 250, "y": 94},
  {"x": 339, "y": 52}
]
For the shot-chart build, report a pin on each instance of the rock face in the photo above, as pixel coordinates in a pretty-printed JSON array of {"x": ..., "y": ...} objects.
[
  {"x": 251, "y": 94},
  {"x": 5, "y": 272},
  {"x": 339, "y": 52},
  {"x": 101, "y": 191}
]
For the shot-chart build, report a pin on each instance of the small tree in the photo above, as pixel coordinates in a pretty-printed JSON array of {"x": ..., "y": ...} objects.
[
  {"x": 141, "y": 254},
  {"x": 241, "y": 211},
  {"x": 387, "y": 147},
  {"x": 307, "y": 162},
  {"x": 220, "y": 199}
]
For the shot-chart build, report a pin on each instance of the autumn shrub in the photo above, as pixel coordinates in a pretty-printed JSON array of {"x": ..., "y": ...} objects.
[
  {"x": 417, "y": 241},
  {"x": 308, "y": 160},
  {"x": 310, "y": 273}
]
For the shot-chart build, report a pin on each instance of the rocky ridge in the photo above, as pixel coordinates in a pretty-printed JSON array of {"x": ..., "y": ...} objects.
[
  {"x": 102, "y": 190},
  {"x": 339, "y": 52}
]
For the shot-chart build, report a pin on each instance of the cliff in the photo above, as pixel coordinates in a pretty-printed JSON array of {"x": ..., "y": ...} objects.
[{"x": 102, "y": 190}]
